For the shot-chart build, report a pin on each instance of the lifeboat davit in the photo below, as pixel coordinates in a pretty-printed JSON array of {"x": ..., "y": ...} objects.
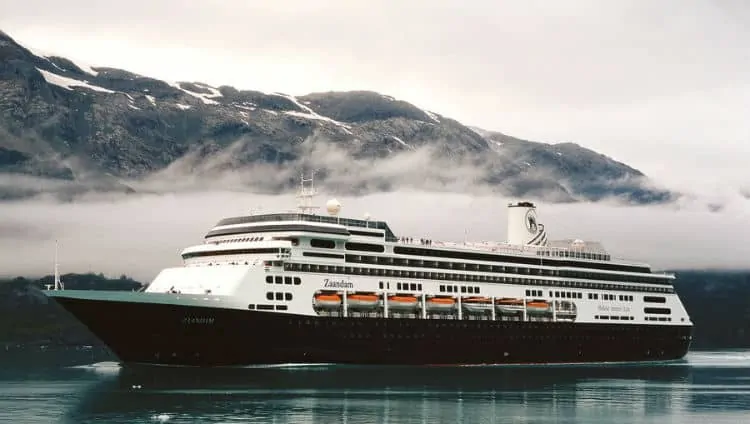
[
  {"x": 477, "y": 304},
  {"x": 327, "y": 301},
  {"x": 538, "y": 307},
  {"x": 565, "y": 313},
  {"x": 509, "y": 306},
  {"x": 441, "y": 304},
  {"x": 403, "y": 303},
  {"x": 362, "y": 301},
  {"x": 566, "y": 310}
]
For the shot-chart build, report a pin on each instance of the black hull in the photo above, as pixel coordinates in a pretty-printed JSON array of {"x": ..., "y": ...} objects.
[{"x": 150, "y": 333}]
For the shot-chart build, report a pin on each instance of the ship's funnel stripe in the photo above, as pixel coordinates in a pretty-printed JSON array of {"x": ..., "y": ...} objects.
[
  {"x": 536, "y": 238},
  {"x": 539, "y": 236}
]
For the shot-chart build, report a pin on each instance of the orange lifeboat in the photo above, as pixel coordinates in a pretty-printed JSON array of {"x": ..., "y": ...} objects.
[
  {"x": 509, "y": 306},
  {"x": 327, "y": 301},
  {"x": 362, "y": 301},
  {"x": 477, "y": 304},
  {"x": 538, "y": 307},
  {"x": 401, "y": 302},
  {"x": 441, "y": 304}
]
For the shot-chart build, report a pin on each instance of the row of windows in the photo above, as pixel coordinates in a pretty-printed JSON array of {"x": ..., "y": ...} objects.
[
  {"x": 574, "y": 254},
  {"x": 348, "y": 222},
  {"x": 401, "y": 286},
  {"x": 463, "y": 266},
  {"x": 658, "y": 319},
  {"x": 567, "y": 295},
  {"x": 409, "y": 286},
  {"x": 348, "y": 270},
  {"x": 490, "y": 257},
  {"x": 262, "y": 307},
  {"x": 278, "y": 296},
  {"x": 237, "y": 240},
  {"x": 621, "y": 298},
  {"x": 255, "y": 251},
  {"x": 369, "y": 247},
  {"x": 530, "y": 293},
  {"x": 270, "y": 279},
  {"x": 454, "y": 289},
  {"x": 614, "y": 317}
]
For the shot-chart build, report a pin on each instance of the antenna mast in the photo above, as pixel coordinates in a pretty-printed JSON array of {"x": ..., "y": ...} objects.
[
  {"x": 306, "y": 194},
  {"x": 58, "y": 284}
]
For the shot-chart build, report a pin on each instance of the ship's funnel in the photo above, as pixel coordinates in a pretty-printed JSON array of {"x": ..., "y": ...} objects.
[{"x": 523, "y": 228}]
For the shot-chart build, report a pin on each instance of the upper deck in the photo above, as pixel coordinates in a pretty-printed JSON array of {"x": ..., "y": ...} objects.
[
  {"x": 555, "y": 250},
  {"x": 294, "y": 216}
]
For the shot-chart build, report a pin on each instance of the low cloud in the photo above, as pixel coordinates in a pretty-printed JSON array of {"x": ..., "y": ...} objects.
[
  {"x": 418, "y": 191},
  {"x": 423, "y": 168},
  {"x": 139, "y": 234}
]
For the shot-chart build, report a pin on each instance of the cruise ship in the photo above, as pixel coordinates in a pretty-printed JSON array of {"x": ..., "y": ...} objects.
[{"x": 305, "y": 287}]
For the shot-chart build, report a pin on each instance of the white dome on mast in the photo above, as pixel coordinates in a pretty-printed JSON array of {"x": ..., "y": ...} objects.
[{"x": 333, "y": 207}]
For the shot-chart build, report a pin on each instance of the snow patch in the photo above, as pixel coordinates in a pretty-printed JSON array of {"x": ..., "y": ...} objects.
[
  {"x": 151, "y": 99},
  {"x": 558, "y": 153},
  {"x": 316, "y": 117},
  {"x": 133, "y": 107},
  {"x": 402, "y": 142},
  {"x": 311, "y": 114},
  {"x": 272, "y": 112},
  {"x": 431, "y": 115},
  {"x": 388, "y": 97},
  {"x": 85, "y": 67},
  {"x": 480, "y": 132},
  {"x": 244, "y": 106},
  {"x": 183, "y": 107},
  {"x": 214, "y": 92},
  {"x": 205, "y": 98},
  {"x": 69, "y": 83}
]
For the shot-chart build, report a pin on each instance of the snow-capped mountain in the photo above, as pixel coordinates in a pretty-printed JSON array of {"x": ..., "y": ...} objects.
[{"x": 65, "y": 127}]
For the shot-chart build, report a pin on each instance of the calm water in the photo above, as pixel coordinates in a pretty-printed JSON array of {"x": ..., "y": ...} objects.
[{"x": 708, "y": 387}]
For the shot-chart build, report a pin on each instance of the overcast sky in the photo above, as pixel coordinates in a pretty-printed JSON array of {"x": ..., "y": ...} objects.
[{"x": 661, "y": 85}]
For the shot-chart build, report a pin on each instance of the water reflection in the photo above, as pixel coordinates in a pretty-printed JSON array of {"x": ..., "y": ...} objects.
[{"x": 324, "y": 394}]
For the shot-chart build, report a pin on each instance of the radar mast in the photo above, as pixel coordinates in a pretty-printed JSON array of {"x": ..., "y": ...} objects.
[{"x": 306, "y": 194}]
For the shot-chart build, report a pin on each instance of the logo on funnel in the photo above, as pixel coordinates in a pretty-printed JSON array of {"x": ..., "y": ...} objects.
[{"x": 531, "y": 221}]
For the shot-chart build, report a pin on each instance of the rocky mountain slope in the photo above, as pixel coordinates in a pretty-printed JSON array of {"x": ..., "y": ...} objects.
[{"x": 66, "y": 128}]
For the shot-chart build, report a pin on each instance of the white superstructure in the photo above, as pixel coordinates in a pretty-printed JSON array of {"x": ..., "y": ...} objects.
[{"x": 308, "y": 264}]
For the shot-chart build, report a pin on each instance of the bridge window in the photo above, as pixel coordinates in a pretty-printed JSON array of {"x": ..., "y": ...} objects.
[
  {"x": 663, "y": 311},
  {"x": 366, "y": 247},
  {"x": 323, "y": 244}
]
